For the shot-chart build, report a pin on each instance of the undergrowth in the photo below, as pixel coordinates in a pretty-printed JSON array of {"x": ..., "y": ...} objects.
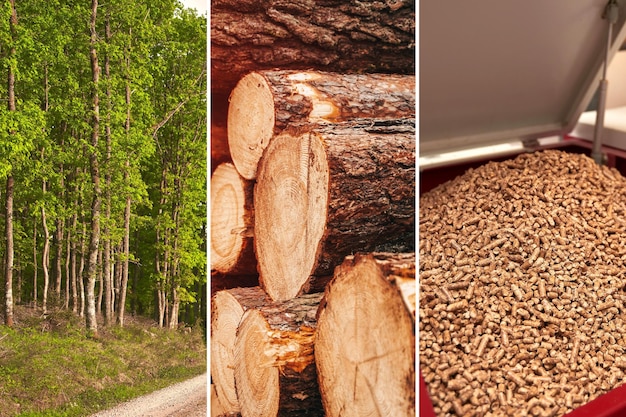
[{"x": 48, "y": 367}]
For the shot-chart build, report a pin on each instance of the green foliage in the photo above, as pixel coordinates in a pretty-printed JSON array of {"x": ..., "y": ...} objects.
[{"x": 157, "y": 51}]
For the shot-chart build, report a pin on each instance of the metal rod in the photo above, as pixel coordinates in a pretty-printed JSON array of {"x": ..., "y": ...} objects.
[{"x": 610, "y": 13}]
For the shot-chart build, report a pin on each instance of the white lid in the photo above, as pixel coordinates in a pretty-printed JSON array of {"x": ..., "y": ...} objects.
[{"x": 491, "y": 71}]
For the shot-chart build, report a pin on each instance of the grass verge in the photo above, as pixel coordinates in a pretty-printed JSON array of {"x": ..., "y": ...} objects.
[{"x": 48, "y": 367}]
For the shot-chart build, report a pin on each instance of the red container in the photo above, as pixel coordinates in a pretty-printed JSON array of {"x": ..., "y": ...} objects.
[{"x": 611, "y": 404}]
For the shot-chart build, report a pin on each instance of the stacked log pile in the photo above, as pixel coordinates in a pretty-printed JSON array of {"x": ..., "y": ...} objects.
[
  {"x": 330, "y": 172},
  {"x": 312, "y": 163}
]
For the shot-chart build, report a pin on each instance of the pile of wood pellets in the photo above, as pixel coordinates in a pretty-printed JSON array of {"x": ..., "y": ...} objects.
[{"x": 523, "y": 286}]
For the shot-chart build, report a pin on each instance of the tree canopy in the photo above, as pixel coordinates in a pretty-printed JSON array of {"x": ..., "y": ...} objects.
[{"x": 105, "y": 148}]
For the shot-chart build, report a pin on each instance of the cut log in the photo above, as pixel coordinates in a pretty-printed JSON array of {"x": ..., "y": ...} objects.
[
  {"x": 326, "y": 193},
  {"x": 265, "y": 103},
  {"x": 275, "y": 371},
  {"x": 365, "y": 338},
  {"x": 227, "y": 309},
  {"x": 232, "y": 222},
  {"x": 335, "y": 35}
]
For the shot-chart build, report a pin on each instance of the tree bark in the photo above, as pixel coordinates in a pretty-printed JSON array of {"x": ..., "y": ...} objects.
[
  {"x": 68, "y": 268},
  {"x": 81, "y": 270},
  {"x": 45, "y": 260},
  {"x": 328, "y": 192},
  {"x": 106, "y": 256},
  {"x": 126, "y": 250},
  {"x": 58, "y": 259},
  {"x": 227, "y": 308},
  {"x": 264, "y": 103},
  {"x": 274, "y": 363},
  {"x": 9, "y": 254},
  {"x": 365, "y": 339},
  {"x": 8, "y": 266},
  {"x": 92, "y": 270},
  {"x": 127, "y": 209},
  {"x": 74, "y": 256},
  {"x": 365, "y": 36},
  {"x": 35, "y": 266},
  {"x": 232, "y": 223},
  {"x": 101, "y": 285}
]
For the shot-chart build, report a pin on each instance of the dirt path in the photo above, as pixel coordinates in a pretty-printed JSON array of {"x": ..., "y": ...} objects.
[{"x": 185, "y": 399}]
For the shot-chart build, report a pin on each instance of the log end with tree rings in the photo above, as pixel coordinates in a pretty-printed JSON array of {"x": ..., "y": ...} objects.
[
  {"x": 225, "y": 318},
  {"x": 231, "y": 222},
  {"x": 365, "y": 344},
  {"x": 256, "y": 377},
  {"x": 275, "y": 372},
  {"x": 291, "y": 203},
  {"x": 251, "y": 120}
]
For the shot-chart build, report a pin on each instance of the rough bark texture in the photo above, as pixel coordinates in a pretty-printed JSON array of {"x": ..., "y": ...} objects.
[
  {"x": 329, "y": 192},
  {"x": 264, "y": 103},
  {"x": 227, "y": 308},
  {"x": 275, "y": 371},
  {"x": 232, "y": 222},
  {"x": 365, "y": 338},
  {"x": 330, "y": 35}
]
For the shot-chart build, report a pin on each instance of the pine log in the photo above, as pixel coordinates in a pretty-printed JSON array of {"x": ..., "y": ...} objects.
[
  {"x": 275, "y": 371},
  {"x": 232, "y": 222},
  {"x": 227, "y": 309},
  {"x": 264, "y": 103},
  {"x": 334, "y": 35},
  {"x": 326, "y": 193},
  {"x": 365, "y": 337}
]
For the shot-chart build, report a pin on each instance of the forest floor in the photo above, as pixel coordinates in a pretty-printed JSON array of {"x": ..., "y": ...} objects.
[{"x": 48, "y": 367}]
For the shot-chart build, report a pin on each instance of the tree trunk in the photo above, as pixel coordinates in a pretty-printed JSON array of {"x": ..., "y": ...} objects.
[
  {"x": 8, "y": 266},
  {"x": 35, "y": 265},
  {"x": 126, "y": 251},
  {"x": 335, "y": 35},
  {"x": 162, "y": 258},
  {"x": 232, "y": 223},
  {"x": 101, "y": 286},
  {"x": 264, "y": 103},
  {"x": 58, "y": 260},
  {"x": 45, "y": 260},
  {"x": 106, "y": 256},
  {"x": 127, "y": 209},
  {"x": 227, "y": 308},
  {"x": 74, "y": 256},
  {"x": 92, "y": 270},
  {"x": 329, "y": 192},
  {"x": 81, "y": 270},
  {"x": 365, "y": 340},
  {"x": 274, "y": 364},
  {"x": 174, "y": 307}
]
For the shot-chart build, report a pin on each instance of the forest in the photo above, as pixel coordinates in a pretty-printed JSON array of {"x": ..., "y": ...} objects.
[{"x": 103, "y": 174}]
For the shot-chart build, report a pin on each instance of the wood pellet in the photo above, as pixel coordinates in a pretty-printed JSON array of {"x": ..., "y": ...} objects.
[{"x": 523, "y": 286}]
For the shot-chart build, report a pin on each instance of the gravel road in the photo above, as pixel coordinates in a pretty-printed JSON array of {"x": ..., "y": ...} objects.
[{"x": 185, "y": 399}]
